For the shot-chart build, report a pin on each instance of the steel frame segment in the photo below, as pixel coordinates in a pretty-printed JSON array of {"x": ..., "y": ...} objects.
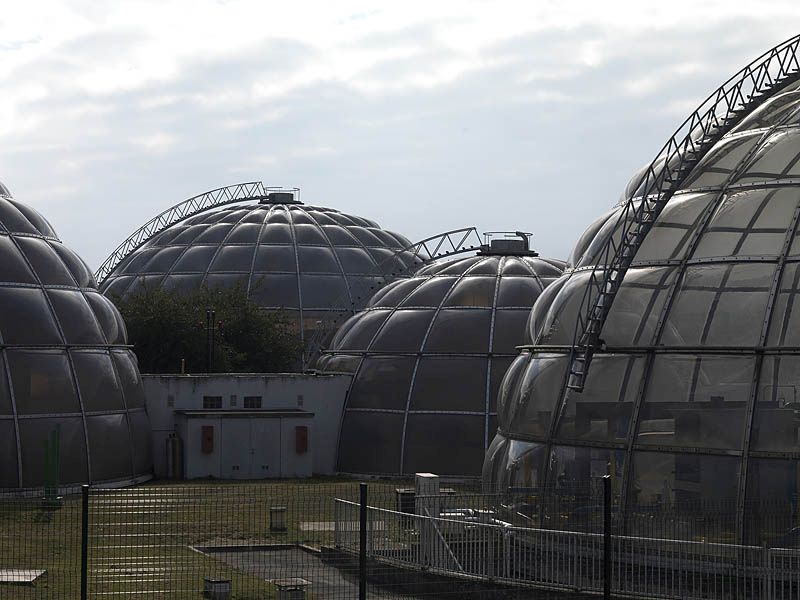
[
  {"x": 252, "y": 190},
  {"x": 697, "y": 135},
  {"x": 449, "y": 243}
]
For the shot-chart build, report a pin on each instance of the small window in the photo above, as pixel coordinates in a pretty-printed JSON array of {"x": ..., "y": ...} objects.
[
  {"x": 252, "y": 401},
  {"x": 233, "y": 399},
  {"x": 212, "y": 401}
]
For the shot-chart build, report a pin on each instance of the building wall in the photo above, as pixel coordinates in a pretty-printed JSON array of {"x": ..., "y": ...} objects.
[{"x": 323, "y": 395}]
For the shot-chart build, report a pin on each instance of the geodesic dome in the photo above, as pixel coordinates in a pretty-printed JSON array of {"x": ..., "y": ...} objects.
[
  {"x": 309, "y": 261},
  {"x": 428, "y": 354},
  {"x": 691, "y": 393},
  {"x": 66, "y": 367}
]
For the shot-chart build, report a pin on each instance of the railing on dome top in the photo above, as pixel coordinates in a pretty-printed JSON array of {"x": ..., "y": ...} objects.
[
  {"x": 441, "y": 245},
  {"x": 241, "y": 192},
  {"x": 716, "y": 116}
]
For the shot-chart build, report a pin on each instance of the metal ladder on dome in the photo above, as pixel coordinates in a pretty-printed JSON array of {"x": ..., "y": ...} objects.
[{"x": 716, "y": 116}]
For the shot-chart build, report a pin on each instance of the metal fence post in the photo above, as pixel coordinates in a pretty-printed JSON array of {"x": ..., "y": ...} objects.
[
  {"x": 606, "y": 537},
  {"x": 362, "y": 544},
  {"x": 84, "y": 542}
]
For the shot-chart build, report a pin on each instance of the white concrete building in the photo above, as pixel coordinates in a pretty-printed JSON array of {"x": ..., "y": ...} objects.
[{"x": 245, "y": 426}]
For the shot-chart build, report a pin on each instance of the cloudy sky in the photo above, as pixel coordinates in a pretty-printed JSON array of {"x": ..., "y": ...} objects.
[{"x": 424, "y": 116}]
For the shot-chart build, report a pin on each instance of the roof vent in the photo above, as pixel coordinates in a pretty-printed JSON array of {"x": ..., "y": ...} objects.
[
  {"x": 281, "y": 197},
  {"x": 510, "y": 243}
]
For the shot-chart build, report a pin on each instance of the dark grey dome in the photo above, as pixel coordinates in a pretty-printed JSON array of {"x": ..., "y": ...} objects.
[
  {"x": 694, "y": 395},
  {"x": 65, "y": 364},
  {"x": 309, "y": 261},
  {"x": 428, "y": 354}
]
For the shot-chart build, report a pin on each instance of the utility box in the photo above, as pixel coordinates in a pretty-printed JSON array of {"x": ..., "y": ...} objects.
[{"x": 216, "y": 589}]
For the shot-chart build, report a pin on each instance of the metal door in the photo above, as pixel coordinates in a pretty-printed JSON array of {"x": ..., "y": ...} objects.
[
  {"x": 236, "y": 449},
  {"x": 265, "y": 436}
]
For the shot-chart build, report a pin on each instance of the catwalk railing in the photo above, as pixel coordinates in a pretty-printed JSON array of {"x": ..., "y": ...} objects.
[{"x": 259, "y": 539}]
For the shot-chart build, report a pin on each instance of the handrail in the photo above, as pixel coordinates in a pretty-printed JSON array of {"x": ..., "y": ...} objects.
[
  {"x": 716, "y": 116},
  {"x": 241, "y": 192}
]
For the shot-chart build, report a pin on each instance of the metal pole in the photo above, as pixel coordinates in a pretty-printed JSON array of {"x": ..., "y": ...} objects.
[
  {"x": 362, "y": 544},
  {"x": 84, "y": 542},
  {"x": 606, "y": 537}
]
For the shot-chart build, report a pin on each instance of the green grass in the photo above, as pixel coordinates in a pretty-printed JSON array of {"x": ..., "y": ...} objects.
[{"x": 154, "y": 526}]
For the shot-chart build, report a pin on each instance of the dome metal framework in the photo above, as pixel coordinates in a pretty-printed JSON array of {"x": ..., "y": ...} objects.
[
  {"x": 289, "y": 256},
  {"x": 65, "y": 365},
  {"x": 669, "y": 354},
  {"x": 428, "y": 354}
]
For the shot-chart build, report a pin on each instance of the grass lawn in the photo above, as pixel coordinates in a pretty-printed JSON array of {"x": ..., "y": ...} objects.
[{"x": 141, "y": 538}]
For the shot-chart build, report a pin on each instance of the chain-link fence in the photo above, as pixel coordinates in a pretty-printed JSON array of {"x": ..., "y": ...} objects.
[{"x": 323, "y": 539}]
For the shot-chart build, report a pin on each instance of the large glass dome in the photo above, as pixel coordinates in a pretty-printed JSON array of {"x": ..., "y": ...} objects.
[
  {"x": 67, "y": 373},
  {"x": 428, "y": 354},
  {"x": 309, "y": 261},
  {"x": 694, "y": 395}
]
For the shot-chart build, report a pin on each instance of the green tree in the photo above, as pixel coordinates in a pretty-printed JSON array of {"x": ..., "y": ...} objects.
[{"x": 165, "y": 327}]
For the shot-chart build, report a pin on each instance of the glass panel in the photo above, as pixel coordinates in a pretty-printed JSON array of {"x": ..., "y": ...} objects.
[
  {"x": 324, "y": 291},
  {"x": 770, "y": 113},
  {"x": 775, "y": 158},
  {"x": 128, "y": 374},
  {"x": 46, "y": 263},
  {"x": 472, "y": 291},
  {"x": 13, "y": 220},
  {"x": 784, "y": 327},
  {"x": 776, "y": 422},
  {"x": 141, "y": 442},
  {"x": 132, "y": 264},
  {"x": 226, "y": 280},
  {"x": 404, "y": 331},
  {"x": 694, "y": 494},
  {"x": 274, "y": 291},
  {"x": 492, "y": 474},
  {"x": 431, "y": 292},
  {"x": 450, "y": 384},
  {"x": 72, "y": 442},
  {"x": 110, "y": 446},
  {"x": 575, "y": 504},
  {"x": 188, "y": 234},
  {"x": 108, "y": 317},
  {"x": 75, "y": 317},
  {"x": 558, "y": 327},
  {"x": 538, "y": 316},
  {"x": 13, "y": 268},
  {"x": 395, "y": 293},
  {"x": 459, "y": 266},
  {"x": 719, "y": 305},
  {"x": 362, "y": 331},
  {"x": 382, "y": 382},
  {"x": 309, "y": 235},
  {"x": 538, "y": 395},
  {"x": 337, "y": 363},
  {"x": 602, "y": 412},
  {"x": 244, "y": 233},
  {"x": 509, "y": 330},
  {"x": 8, "y": 455},
  {"x": 163, "y": 260},
  {"x": 35, "y": 218},
  {"x": 582, "y": 245},
  {"x": 317, "y": 260},
  {"x": 97, "y": 381},
  {"x": 26, "y": 317},
  {"x": 365, "y": 236},
  {"x": 696, "y": 401},
  {"x": 460, "y": 330},
  {"x": 499, "y": 366},
  {"x": 772, "y": 510},
  {"x": 448, "y": 445},
  {"x": 638, "y": 306},
  {"x": 370, "y": 443},
  {"x": 717, "y": 166},
  {"x": 508, "y": 394},
  {"x": 215, "y": 234},
  {"x": 183, "y": 283},
  {"x": 356, "y": 260},
  {"x": 5, "y": 397},
  {"x": 195, "y": 259},
  {"x": 277, "y": 233},
  {"x": 234, "y": 258},
  {"x": 276, "y": 259},
  {"x": 518, "y": 291},
  {"x": 670, "y": 235},
  {"x": 42, "y": 382},
  {"x": 339, "y": 236}
]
